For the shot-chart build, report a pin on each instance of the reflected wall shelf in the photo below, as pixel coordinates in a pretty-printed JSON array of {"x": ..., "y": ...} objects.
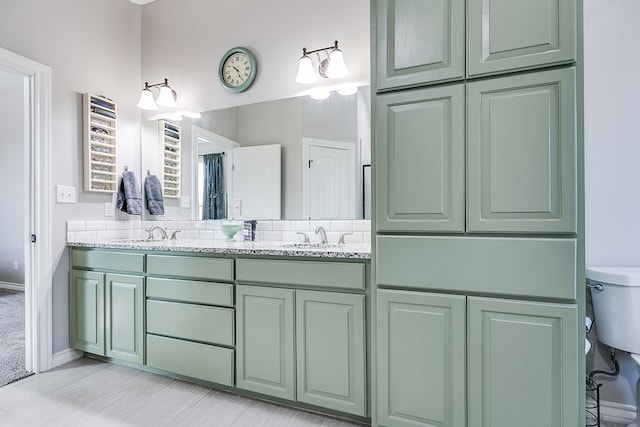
[
  {"x": 99, "y": 130},
  {"x": 170, "y": 146}
]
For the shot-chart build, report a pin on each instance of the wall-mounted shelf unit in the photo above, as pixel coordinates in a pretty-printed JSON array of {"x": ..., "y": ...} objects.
[
  {"x": 100, "y": 118},
  {"x": 170, "y": 146}
]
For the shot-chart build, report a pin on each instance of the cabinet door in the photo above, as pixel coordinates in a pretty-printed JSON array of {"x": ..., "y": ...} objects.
[
  {"x": 330, "y": 351},
  {"x": 421, "y": 359},
  {"x": 124, "y": 320},
  {"x": 87, "y": 311},
  {"x": 522, "y": 153},
  {"x": 264, "y": 341},
  {"x": 519, "y": 34},
  {"x": 522, "y": 363},
  {"x": 420, "y": 160},
  {"x": 418, "y": 41}
]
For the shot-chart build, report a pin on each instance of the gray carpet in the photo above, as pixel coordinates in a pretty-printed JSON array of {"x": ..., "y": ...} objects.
[{"x": 12, "y": 352}]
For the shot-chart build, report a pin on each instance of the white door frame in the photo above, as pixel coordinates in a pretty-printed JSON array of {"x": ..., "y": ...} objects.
[
  {"x": 38, "y": 255},
  {"x": 227, "y": 145},
  {"x": 351, "y": 148}
]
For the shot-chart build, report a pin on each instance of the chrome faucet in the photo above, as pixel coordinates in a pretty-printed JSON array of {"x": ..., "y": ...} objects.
[
  {"x": 163, "y": 233},
  {"x": 322, "y": 233},
  {"x": 341, "y": 239},
  {"x": 304, "y": 236}
]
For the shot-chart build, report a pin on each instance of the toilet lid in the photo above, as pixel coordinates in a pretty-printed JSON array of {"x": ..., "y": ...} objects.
[{"x": 629, "y": 276}]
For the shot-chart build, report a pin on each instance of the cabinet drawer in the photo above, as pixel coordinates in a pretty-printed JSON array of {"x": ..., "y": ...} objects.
[
  {"x": 190, "y": 321},
  {"x": 201, "y": 361},
  {"x": 191, "y": 291},
  {"x": 302, "y": 273},
  {"x": 104, "y": 260},
  {"x": 192, "y": 267},
  {"x": 510, "y": 266}
]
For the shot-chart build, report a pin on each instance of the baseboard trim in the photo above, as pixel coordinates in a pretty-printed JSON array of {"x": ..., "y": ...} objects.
[
  {"x": 617, "y": 412},
  {"x": 65, "y": 356},
  {"x": 12, "y": 286}
]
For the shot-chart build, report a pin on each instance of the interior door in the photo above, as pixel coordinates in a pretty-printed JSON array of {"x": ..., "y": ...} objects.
[
  {"x": 328, "y": 179},
  {"x": 256, "y": 182}
]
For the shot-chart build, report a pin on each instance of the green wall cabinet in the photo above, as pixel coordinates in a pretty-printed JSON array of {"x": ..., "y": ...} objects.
[
  {"x": 421, "y": 359},
  {"x": 107, "y": 314},
  {"x": 322, "y": 363},
  {"x": 522, "y": 363},
  {"x": 265, "y": 340},
  {"x": 330, "y": 348},
  {"x": 522, "y": 153},
  {"x": 420, "y": 160},
  {"x": 418, "y": 41},
  {"x": 505, "y": 35}
]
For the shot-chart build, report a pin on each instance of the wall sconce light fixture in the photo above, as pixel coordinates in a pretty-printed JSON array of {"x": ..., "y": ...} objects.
[
  {"x": 332, "y": 66},
  {"x": 166, "y": 98}
]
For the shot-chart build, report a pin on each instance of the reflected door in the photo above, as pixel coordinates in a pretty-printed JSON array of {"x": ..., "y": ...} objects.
[
  {"x": 328, "y": 179},
  {"x": 256, "y": 182}
]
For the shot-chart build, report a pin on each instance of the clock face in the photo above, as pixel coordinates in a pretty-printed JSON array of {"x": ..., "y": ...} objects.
[{"x": 237, "y": 69}]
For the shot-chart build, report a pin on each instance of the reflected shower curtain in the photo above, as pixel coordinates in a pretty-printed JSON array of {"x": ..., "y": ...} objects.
[{"x": 213, "y": 203}]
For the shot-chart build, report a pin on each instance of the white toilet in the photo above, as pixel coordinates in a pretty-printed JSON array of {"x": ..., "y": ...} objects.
[{"x": 616, "y": 306}]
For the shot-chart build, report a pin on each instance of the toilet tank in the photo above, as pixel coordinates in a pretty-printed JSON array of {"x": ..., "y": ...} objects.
[{"x": 616, "y": 306}]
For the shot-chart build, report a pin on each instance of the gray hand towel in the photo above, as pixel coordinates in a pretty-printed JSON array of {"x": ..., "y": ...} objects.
[
  {"x": 129, "y": 199},
  {"x": 153, "y": 194}
]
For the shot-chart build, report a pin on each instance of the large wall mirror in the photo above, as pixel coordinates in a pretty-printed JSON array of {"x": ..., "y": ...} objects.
[{"x": 324, "y": 148}]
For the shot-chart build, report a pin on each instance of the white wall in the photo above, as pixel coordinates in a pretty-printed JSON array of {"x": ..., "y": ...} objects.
[
  {"x": 612, "y": 155},
  {"x": 184, "y": 41},
  {"x": 12, "y": 175},
  {"x": 91, "y": 46}
]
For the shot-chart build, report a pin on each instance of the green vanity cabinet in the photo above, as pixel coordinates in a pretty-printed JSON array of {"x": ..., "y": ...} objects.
[
  {"x": 330, "y": 349},
  {"x": 303, "y": 344},
  {"x": 522, "y": 153},
  {"x": 190, "y": 320},
  {"x": 418, "y": 41},
  {"x": 451, "y": 360},
  {"x": 265, "y": 340},
  {"x": 107, "y": 309},
  {"x": 420, "y": 160},
  {"x": 421, "y": 353}
]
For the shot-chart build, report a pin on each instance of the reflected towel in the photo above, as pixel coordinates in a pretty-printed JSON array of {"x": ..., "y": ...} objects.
[
  {"x": 153, "y": 194},
  {"x": 129, "y": 199}
]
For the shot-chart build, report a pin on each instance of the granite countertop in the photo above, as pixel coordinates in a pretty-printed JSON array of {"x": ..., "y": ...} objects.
[{"x": 348, "y": 250}]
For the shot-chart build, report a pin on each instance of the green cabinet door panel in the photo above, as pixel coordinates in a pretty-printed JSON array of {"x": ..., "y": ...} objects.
[
  {"x": 418, "y": 41},
  {"x": 265, "y": 341},
  {"x": 124, "y": 317},
  {"x": 506, "y": 35},
  {"x": 421, "y": 359},
  {"x": 87, "y": 311},
  {"x": 522, "y": 153},
  {"x": 420, "y": 160},
  {"x": 330, "y": 331},
  {"x": 521, "y": 267},
  {"x": 522, "y": 364}
]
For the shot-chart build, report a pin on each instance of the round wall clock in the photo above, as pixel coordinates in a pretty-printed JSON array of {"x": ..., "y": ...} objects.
[{"x": 237, "y": 69}]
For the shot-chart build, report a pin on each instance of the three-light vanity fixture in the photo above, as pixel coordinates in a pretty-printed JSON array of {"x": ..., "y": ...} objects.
[{"x": 166, "y": 98}]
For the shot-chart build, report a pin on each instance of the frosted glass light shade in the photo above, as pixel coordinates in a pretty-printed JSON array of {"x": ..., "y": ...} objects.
[
  {"x": 337, "y": 68},
  {"x": 146, "y": 101},
  {"x": 306, "y": 73},
  {"x": 319, "y": 93},
  {"x": 347, "y": 89},
  {"x": 167, "y": 97}
]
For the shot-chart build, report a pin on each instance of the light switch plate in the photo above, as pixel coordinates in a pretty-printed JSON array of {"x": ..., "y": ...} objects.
[
  {"x": 108, "y": 209},
  {"x": 65, "y": 194},
  {"x": 185, "y": 202},
  {"x": 236, "y": 208}
]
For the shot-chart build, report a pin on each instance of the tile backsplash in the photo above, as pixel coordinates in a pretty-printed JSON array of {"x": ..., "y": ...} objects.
[{"x": 286, "y": 231}]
